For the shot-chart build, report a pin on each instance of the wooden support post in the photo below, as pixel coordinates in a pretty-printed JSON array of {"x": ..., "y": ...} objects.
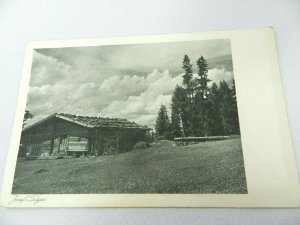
[
  {"x": 59, "y": 144},
  {"x": 89, "y": 142},
  {"x": 52, "y": 137},
  {"x": 92, "y": 140},
  {"x": 68, "y": 142},
  {"x": 95, "y": 143},
  {"x": 51, "y": 146},
  {"x": 65, "y": 145},
  {"x": 119, "y": 137}
]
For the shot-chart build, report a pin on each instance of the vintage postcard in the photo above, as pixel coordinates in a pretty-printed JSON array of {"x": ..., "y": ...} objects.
[{"x": 182, "y": 120}]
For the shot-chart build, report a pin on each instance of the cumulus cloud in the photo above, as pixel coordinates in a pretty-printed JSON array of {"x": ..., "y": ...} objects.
[
  {"x": 137, "y": 58},
  {"x": 143, "y": 107},
  {"x": 111, "y": 81},
  {"x": 217, "y": 75},
  {"x": 131, "y": 97},
  {"x": 47, "y": 70}
]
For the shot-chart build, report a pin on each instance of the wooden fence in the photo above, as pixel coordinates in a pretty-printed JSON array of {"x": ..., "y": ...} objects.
[{"x": 193, "y": 140}]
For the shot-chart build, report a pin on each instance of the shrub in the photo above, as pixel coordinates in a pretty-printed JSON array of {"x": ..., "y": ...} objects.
[
  {"x": 141, "y": 145},
  {"x": 150, "y": 137}
]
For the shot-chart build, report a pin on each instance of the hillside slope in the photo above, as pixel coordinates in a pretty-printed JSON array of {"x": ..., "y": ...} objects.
[{"x": 209, "y": 167}]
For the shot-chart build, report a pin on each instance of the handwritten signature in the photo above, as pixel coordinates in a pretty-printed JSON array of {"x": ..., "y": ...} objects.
[{"x": 20, "y": 199}]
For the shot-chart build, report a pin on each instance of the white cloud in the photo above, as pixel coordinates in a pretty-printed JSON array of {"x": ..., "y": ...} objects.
[
  {"x": 217, "y": 75},
  {"x": 144, "y": 107},
  {"x": 59, "y": 87},
  {"x": 118, "y": 86},
  {"x": 47, "y": 70}
]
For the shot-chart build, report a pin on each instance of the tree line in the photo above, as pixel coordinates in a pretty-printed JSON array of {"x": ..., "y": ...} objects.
[{"x": 198, "y": 108}]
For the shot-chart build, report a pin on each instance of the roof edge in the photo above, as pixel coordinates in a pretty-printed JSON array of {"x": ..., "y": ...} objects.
[
  {"x": 70, "y": 120},
  {"x": 58, "y": 115},
  {"x": 40, "y": 121}
]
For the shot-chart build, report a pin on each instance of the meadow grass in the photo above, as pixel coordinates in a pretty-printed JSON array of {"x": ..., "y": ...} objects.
[{"x": 207, "y": 167}]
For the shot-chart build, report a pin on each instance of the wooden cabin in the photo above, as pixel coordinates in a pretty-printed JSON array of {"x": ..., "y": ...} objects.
[{"x": 66, "y": 134}]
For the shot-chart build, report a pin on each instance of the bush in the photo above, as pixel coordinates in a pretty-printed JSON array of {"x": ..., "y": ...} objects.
[
  {"x": 150, "y": 137},
  {"x": 141, "y": 145}
]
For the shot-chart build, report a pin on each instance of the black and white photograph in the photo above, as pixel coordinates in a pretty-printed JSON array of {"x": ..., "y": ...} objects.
[
  {"x": 150, "y": 112},
  {"x": 132, "y": 118}
]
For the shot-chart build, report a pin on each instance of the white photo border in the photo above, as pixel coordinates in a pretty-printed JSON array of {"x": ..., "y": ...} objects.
[{"x": 270, "y": 165}]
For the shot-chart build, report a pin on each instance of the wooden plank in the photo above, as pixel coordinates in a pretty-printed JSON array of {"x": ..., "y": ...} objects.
[{"x": 210, "y": 138}]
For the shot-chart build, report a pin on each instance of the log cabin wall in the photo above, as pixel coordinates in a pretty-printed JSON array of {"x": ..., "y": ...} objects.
[
  {"x": 58, "y": 135},
  {"x": 102, "y": 139},
  {"x": 53, "y": 129},
  {"x": 50, "y": 137},
  {"x": 63, "y": 127},
  {"x": 37, "y": 134},
  {"x": 120, "y": 140}
]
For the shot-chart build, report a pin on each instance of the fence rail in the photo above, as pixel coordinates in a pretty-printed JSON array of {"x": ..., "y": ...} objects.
[{"x": 186, "y": 140}]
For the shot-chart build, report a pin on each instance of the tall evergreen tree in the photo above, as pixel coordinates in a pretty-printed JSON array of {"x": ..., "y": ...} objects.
[
  {"x": 200, "y": 110},
  {"x": 202, "y": 79},
  {"x": 175, "y": 125},
  {"x": 162, "y": 121},
  {"x": 27, "y": 115},
  {"x": 187, "y": 96},
  {"x": 201, "y": 103},
  {"x": 234, "y": 110},
  {"x": 177, "y": 110},
  {"x": 226, "y": 107},
  {"x": 214, "y": 116},
  {"x": 233, "y": 92},
  {"x": 188, "y": 76},
  {"x": 180, "y": 107}
]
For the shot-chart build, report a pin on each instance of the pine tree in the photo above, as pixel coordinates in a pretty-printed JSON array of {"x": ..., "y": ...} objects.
[
  {"x": 175, "y": 123},
  {"x": 187, "y": 96},
  {"x": 27, "y": 115},
  {"x": 176, "y": 114},
  {"x": 162, "y": 121},
  {"x": 188, "y": 76},
  {"x": 233, "y": 92},
  {"x": 226, "y": 107},
  {"x": 180, "y": 107},
  {"x": 234, "y": 110},
  {"x": 201, "y": 103},
  {"x": 202, "y": 79},
  {"x": 214, "y": 116}
]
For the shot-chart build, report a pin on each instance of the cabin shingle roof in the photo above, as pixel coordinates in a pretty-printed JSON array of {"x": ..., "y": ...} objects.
[{"x": 92, "y": 121}]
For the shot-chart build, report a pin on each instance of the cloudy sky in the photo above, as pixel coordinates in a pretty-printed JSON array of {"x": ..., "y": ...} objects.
[{"x": 125, "y": 81}]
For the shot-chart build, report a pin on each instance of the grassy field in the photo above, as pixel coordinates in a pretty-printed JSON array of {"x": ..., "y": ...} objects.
[{"x": 207, "y": 167}]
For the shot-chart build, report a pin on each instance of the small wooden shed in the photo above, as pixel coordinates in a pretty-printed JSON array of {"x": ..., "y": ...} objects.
[{"x": 66, "y": 134}]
